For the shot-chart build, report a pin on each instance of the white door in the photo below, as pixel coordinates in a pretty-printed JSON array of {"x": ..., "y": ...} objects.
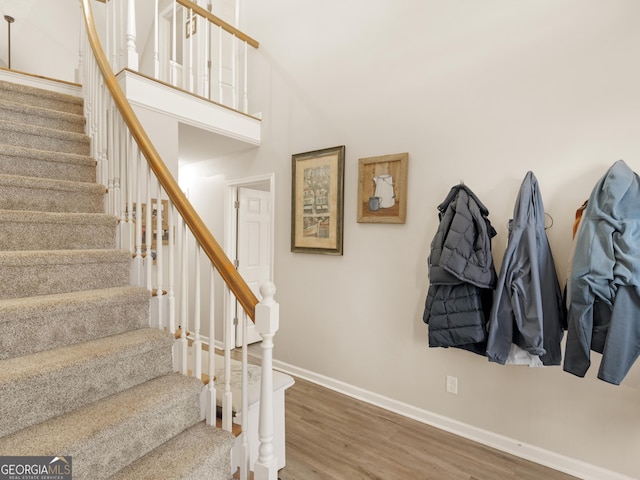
[{"x": 253, "y": 250}]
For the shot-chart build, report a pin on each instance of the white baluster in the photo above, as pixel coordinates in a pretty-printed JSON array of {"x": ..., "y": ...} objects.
[
  {"x": 197, "y": 343},
  {"x": 101, "y": 142},
  {"x": 113, "y": 157},
  {"x": 160, "y": 213},
  {"x": 205, "y": 57},
  {"x": 212, "y": 399},
  {"x": 228, "y": 397},
  {"x": 137, "y": 264},
  {"x": 184, "y": 298},
  {"x": 121, "y": 149},
  {"x": 132, "y": 54},
  {"x": 171, "y": 293},
  {"x": 174, "y": 57},
  {"x": 128, "y": 164},
  {"x": 220, "y": 84},
  {"x": 156, "y": 43},
  {"x": 190, "y": 33},
  {"x": 234, "y": 71},
  {"x": 267, "y": 324},
  {"x": 244, "y": 451},
  {"x": 148, "y": 230},
  {"x": 245, "y": 102}
]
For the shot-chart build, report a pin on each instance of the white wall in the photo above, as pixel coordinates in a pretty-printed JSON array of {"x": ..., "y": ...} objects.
[
  {"x": 480, "y": 91},
  {"x": 44, "y": 37}
]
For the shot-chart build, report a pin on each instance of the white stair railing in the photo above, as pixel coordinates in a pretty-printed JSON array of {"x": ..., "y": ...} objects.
[
  {"x": 191, "y": 47},
  {"x": 168, "y": 240}
]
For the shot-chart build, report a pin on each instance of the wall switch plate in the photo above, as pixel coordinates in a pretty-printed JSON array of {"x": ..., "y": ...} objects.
[{"x": 452, "y": 385}]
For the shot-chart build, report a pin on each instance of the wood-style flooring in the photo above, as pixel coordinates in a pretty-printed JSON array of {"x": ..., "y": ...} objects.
[{"x": 330, "y": 436}]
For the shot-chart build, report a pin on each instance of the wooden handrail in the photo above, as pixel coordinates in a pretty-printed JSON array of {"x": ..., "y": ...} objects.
[
  {"x": 209, "y": 245},
  {"x": 219, "y": 22}
]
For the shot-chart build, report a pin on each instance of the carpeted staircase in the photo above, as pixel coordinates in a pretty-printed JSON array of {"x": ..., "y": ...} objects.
[{"x": 81, "y": 374}]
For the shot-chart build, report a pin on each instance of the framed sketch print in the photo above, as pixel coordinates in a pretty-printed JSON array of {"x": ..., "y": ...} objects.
[
  {"x": 317, "y": 201},
  {"x": 382, "y": 189}
]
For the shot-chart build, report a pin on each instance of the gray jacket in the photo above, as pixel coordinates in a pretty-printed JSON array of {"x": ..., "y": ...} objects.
[
  {"x": 604, "y": 284},
  {"x": 461, "y": 273},
  {"x": 527, "y": 308}
]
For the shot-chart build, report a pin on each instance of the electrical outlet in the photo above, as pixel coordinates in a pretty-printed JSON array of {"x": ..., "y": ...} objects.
[{"x": 452, "y": 385}]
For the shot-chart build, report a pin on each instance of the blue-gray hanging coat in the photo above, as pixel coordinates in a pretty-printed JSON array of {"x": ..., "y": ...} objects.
[
  {"x": 604, "y": 285},
  {"x": 461, "y": 274},
  {"x": 527, "y": 307}
]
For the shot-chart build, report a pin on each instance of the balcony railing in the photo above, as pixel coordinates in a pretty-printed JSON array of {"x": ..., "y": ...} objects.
[{"x": 182, "y": 44}]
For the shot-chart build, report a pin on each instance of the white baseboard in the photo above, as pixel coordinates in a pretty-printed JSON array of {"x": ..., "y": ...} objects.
[{"x": 550, "y": 459}]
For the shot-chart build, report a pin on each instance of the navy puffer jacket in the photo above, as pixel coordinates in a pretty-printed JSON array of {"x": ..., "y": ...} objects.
[{"x": 461, "y": 274}]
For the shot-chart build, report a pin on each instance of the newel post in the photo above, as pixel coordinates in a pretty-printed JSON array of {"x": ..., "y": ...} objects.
[{"x": 267, "y": 323}]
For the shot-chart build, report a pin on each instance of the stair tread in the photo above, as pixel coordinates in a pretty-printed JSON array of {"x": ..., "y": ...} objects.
[
  {"x": 50, "y": 184},
  {"x": 134, "y": 421},
  {"x": 30, "y": 216},
  {"x": 28, "y": 273},
  {"x": 44, "y": 131},
  {"x": 53, "y": 195},
  {"x": 37, "y": 115},
  {"x": 42, "y": 385},
  {"x": 205, "y": 444},
  {"x": 45, "y": 363},
  {"x": 44, "y": 138},
  {"x": 31, "y": 162},
  {"x": 35, "y": 230},
  {"x": 52, "y": 321},
  {"x": 37, "y": 95},
  {"x": 52, "y": 257},
  {"x": 22, "y": 151},
  {"x": 12, "y": 308}
]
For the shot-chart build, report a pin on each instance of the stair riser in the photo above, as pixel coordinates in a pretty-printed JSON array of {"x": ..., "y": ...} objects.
[
  {"x": 207, "y": 457},
  {"x": 17, "y": 197},
  {"x": 104, "y": 437},
  {"x": 57, "y": 323},
  {"x": 78, "y": 384},
  {"x": 26, "y": 280},
  {"x": 69, "y": 123},
  {"x": 69, "y": 235},
  {"x": 132, "y": 440},
  {"x": 50, "y": 100},
  {"x": 34, "y": 163},
  {"x": 39, "y": 140}
]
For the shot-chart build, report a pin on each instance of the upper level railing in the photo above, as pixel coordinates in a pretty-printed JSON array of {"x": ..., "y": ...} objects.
[
  {"x": 170, "y": 243},
  {"x": 182, "y": 44}
]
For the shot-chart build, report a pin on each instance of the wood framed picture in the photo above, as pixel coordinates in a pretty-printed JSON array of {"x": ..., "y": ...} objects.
[
  {"x": 382, "y": 189},
  {"x": 317, "y": 201}
]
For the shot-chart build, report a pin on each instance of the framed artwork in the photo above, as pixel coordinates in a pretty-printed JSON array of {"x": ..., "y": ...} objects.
[
  {"x": 382, "y": 189},
  {"x": 317, "y": 201}
]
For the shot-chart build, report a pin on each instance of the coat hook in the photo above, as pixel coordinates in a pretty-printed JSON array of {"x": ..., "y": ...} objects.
[{"x": 550, "y": 218}]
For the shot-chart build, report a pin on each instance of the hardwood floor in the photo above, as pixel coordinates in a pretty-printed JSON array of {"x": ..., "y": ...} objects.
[{"x": 335, "y": 437}]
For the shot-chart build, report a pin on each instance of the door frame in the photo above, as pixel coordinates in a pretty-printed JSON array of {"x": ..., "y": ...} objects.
[{"x": 230, "y": 236}]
